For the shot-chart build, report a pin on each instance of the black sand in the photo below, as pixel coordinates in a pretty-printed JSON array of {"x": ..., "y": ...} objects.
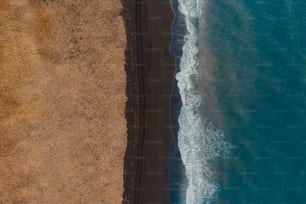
[{"x": 150, "y": 73}]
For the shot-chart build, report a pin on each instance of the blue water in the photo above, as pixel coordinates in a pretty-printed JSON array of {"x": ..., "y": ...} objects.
[{"x": 242, "y": 84}]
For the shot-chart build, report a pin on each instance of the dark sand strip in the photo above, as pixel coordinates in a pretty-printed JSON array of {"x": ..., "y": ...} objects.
[{"x": 150, "y": 74}]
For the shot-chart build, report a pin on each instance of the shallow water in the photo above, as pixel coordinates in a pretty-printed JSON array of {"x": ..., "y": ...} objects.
[{"x": 242, "y": 82}]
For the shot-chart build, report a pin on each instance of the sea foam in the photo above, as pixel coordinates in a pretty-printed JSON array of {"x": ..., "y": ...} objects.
[{"x": 199, "y": 141}]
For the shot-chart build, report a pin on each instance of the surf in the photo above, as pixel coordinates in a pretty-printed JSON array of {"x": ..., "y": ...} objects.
[{"x": 200, "y": 142}]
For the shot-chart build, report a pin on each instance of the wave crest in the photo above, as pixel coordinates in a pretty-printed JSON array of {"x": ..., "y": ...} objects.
[{"x": 199, "y": 141}]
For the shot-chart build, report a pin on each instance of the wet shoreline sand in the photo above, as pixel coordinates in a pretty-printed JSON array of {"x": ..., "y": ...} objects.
[{"x": 150, "y": 73}]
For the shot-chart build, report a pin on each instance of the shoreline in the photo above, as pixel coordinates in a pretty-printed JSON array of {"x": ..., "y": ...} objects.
[
  {"x": 178, "y": 180},
  {"x": 150, "y": 70}
]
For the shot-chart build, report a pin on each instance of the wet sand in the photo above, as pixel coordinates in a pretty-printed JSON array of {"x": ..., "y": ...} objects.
[
  {"x": 150, "y": 74},
  {"x": 62, "y": 101}
]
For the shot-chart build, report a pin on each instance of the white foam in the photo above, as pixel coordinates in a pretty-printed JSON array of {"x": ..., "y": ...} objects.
[{"x": 198, "y": 140}]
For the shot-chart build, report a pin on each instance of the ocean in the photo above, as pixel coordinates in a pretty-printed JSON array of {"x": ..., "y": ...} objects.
[{"x": 239, "y": 102}]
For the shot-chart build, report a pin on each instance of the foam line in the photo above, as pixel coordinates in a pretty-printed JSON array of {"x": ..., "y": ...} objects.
[{"x": 200, "y": 143}]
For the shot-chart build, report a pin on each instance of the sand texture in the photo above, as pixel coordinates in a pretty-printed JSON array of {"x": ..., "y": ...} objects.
[
  {"x": 62, "y": 101},
  {"x": 150, "y": 72}
]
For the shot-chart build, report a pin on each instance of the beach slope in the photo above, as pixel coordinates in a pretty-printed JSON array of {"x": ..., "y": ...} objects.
[{"x": 150, "y": 73}]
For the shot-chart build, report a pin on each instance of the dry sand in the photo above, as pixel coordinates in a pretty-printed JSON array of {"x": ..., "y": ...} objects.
[{"x": 62, "y": 101}]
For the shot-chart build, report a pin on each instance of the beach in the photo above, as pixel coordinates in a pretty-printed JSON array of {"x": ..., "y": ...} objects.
[
  {"x": 85, "y": 95},
  {"x": 150, "y": 73},
  {"x": 63, "y": 131}
]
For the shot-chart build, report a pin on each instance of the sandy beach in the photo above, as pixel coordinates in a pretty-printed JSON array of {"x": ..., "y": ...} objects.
[
  {"x": 63, "y": 131},
  {"x": 85, "y": 89},
  {"x": 150, "y": 73}
]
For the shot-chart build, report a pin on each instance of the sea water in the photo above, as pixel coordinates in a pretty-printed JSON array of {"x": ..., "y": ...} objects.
[{"x": 242, "y": 82}]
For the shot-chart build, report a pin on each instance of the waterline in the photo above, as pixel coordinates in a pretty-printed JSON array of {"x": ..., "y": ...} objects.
[{"x": 199, "y": 141}]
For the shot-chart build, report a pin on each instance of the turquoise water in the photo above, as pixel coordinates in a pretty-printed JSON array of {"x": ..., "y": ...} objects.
[{"x": 242, "y": 83}]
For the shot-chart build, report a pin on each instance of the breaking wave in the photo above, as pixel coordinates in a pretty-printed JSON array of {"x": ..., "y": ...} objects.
[{"x": 199, "y": 141}]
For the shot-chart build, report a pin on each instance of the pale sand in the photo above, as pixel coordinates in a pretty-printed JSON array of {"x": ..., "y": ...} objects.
[{"x": 62, "y": 101}]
